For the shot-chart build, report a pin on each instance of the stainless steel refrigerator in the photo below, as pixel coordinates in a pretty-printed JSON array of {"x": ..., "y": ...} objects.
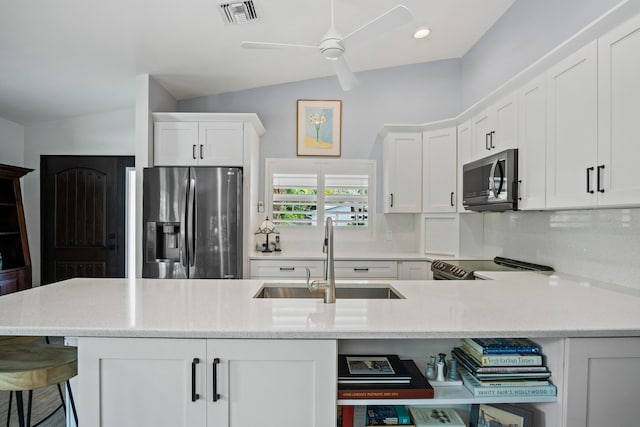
[{"x": 192, "y": 219}]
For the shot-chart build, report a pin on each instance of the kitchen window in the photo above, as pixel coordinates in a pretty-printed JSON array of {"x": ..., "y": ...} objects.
[{"x": 302, "y": 193}]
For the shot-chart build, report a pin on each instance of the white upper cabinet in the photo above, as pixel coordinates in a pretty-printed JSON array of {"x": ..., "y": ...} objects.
[
  {"x": 402, "y": 170},
  {"x": 175, "y": 143},
  {"x": 198, "y": 143},
  {"x": 465, "y": 155},
  {"x": 221, "y": 143},
  {"x": 439, "y": 170},
  {"x": 618, "y": 116},
  {"x": 532, "y": 144},
  {"x": 496, "y": 128},
  {"x": 572, "y": 130}
]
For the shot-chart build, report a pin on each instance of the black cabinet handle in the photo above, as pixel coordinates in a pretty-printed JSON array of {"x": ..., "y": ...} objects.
[
  {"x": 361, "y": 269},
  {"x": 201, "y": 151},
  {"x": 287, "y": 268},
  {"x": 451, "y": 199},
  {"x": 493, "y": 132},
  {"x": 214, "y": 375},
  {"x": 598, "y": 179},
  {"x": 486, "y": 141},
  {"x": 391, "y": 199},
  {"x": 193, "y": 151},
  {"x": 589, "y": 190},
  {"x": 194, "y": 396}
]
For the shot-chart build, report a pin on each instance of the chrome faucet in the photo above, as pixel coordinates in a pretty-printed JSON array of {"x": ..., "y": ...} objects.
[{"x": 329, "y": 282}]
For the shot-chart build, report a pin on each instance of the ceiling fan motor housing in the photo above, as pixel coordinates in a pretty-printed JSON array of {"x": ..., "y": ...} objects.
[{"x": 330, "y": 46}]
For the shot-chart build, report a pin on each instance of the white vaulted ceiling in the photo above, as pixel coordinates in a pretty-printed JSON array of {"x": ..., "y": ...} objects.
[{"x": 70, "y": 57}]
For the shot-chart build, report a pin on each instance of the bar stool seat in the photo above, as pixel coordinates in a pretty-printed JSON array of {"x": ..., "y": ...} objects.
[{"x": 28, "y": 366}]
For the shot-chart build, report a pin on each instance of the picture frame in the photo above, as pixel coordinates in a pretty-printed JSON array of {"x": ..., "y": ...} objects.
[
  {"x": 500, "y": 415},
  {"x": 319, "y": 128}
]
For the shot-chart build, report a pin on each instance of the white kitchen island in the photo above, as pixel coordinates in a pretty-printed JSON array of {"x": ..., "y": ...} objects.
[{"x": 149, "y": 349}]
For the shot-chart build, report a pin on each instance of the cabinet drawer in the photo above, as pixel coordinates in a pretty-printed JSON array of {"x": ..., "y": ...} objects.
[
  {"x": 366, "y": 269},
  {"x": 286, "y": 269},
  {"x": 12, "y": 281}
]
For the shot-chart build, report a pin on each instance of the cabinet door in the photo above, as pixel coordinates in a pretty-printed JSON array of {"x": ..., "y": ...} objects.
[
  {"x": 619, "y": 92},
  {"x": 465, "y": 155},
  {"x": 141, "y": 382},
  {"x": 220, "y": 144},
  {"x": 532, "y": 145},
  {"x": 572, "y": 120},
  {"x": 414, "y": 270},
  {"x": 288, "y": 383},
  {"x": 439, "y": 170},
  {"x": 403, "y": 173},
  {"x": 505, "y": 124},
  {"x": 603, "y": 382},
  {"x": 440, "y": 234},
  {"x": 482, "y": 126},
  {"x": 175, "y": 143}
]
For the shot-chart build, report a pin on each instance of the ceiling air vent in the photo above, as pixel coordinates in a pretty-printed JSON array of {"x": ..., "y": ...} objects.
[{"x": 238, "y": 12}]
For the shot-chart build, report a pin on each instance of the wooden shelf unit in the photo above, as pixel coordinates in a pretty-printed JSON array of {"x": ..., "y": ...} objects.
[{"x": 15, "y": 274}]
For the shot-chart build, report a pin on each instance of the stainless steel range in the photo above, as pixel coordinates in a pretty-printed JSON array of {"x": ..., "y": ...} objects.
[{"x": 464, "y": 269}]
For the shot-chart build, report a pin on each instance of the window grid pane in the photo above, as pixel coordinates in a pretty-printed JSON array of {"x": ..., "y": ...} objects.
[
  {"x": 346, "y": 199},
  {"x": 295, "y": 199}
]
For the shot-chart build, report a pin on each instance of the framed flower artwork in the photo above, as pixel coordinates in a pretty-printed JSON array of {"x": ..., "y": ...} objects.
[{"x": 319, "y": 128}]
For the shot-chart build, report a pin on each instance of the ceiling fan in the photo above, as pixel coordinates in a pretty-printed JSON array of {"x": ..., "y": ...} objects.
[{"x": 333, "y": 45}]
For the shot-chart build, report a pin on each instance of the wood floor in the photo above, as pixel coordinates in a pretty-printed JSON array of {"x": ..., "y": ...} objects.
[{"x": 46, "y": 409}]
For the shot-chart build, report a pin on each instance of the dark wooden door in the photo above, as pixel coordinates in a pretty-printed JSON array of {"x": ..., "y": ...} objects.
[{"x": 83, "y": 216}]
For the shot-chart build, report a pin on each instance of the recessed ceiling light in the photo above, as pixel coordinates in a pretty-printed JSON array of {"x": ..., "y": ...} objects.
[{"x": 421, "y": 33}]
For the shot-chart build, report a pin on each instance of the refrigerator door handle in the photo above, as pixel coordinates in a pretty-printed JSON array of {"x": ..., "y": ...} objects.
[
  {"x": 191, "y": 209},
  {"x": 183, "y": 228}
]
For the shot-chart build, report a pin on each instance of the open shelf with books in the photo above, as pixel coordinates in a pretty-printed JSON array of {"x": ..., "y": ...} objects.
[{"x": 459, "y": 396}]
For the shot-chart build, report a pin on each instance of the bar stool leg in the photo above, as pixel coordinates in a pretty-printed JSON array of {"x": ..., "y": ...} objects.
[
  {"x": 9, "y": 410},
  {"x": 73, "y": 404},
  {"x": 20, "y": 406},
  {"x": 64, "y": 407},
  {"x": 29, "y": 408}
]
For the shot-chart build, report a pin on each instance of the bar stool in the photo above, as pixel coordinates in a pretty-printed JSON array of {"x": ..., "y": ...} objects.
[{"x": 32, "y": 365}]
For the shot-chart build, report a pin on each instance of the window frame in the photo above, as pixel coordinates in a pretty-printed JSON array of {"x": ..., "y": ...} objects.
[{"x": 322, "y": 167}]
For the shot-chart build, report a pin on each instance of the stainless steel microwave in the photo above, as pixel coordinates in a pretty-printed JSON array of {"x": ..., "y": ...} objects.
[{"x": 491, "y": 183}]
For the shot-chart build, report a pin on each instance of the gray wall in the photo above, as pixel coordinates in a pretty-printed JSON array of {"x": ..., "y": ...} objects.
[
  {"x": 11, "y": 143},
  {"x": 408, "y": 94},
  {"x": 526, "y": 32}
]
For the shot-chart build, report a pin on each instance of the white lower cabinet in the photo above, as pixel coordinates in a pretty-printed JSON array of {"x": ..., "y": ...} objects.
[
  {"x": 603, "y": 382},
  {"x": 414, "y": 270},
  {"x": 172, "y": 382},
  {"x": 284, "y": 269},
  {"x": 366, "y": 269}
]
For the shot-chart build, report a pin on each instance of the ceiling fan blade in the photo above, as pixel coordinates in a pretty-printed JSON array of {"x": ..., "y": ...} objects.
[
  {"x": 393, "y": 18},
  {"x": 266, "y": 45},
  {"x": 347, "y": 79}
]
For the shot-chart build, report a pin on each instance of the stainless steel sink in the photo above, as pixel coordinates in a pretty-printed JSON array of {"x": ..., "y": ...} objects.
[{"x": 346, "y": 291}]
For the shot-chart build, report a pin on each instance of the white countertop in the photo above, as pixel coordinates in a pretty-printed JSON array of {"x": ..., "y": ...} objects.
[{"x": 515, "y": 304}]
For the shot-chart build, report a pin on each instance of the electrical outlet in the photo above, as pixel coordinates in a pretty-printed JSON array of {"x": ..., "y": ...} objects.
[
  {"x": 389, "y": 235},
  {"x": 260, "y": 206}
]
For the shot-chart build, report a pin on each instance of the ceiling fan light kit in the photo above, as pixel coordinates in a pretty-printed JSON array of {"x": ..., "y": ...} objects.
[{"x": 333, "y": 45}]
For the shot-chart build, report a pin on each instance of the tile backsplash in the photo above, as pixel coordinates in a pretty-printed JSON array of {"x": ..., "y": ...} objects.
[{"x": 600, "y": 244}]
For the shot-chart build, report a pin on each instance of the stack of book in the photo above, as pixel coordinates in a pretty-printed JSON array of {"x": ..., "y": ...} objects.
[
  {"x": 364, "y": 416},
  {"x": 503, "y": 367},
  {"x": 380, "y": 377}
]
